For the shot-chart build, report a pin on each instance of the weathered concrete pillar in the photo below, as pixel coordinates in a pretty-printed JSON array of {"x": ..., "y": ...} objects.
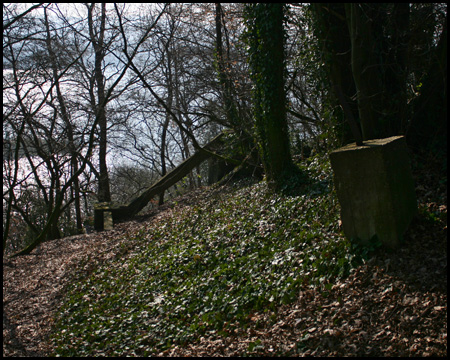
[
  {"x": 375, "y": 189},
  {"x": 108, "y": 220},
  {"x": 102, "y": 216}
]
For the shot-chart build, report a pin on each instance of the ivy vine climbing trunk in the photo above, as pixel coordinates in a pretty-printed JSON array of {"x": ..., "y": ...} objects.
[{"x": 266, "y": 37}]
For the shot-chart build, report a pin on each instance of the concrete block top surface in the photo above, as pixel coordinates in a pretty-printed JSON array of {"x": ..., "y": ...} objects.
[
  {"x": 368, "y": 144},
  {"x": 108, "y": 206},
  {"x": 101, "y": 205}
]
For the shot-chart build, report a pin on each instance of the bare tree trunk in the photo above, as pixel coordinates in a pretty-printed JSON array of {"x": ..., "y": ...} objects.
[
  {"x": 365, "y": 71},
  {"x": 97, "y": 40},
  {"x": 167, "y": 120},
  {"x": 99, "y": 116},
  {"x": 70, "y": 134},
  {"x": 163, "y": 155},
  {"x": 12, "y": 184}
]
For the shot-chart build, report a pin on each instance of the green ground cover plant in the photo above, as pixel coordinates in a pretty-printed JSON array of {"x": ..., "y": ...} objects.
[{"x": 208, "y": 267}]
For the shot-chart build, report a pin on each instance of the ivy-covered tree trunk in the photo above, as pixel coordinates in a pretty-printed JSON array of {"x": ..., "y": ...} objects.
[{"x": 266, "y": 38}]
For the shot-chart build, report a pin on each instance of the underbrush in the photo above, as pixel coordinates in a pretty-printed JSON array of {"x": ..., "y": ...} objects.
[{"x": 208, "y": 267}]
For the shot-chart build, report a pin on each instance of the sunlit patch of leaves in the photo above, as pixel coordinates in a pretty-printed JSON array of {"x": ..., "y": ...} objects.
[{"x": 207, "y": 268}]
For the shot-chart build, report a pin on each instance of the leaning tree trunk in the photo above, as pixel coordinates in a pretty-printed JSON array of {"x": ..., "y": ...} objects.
[{"x": 120, "y": 213}]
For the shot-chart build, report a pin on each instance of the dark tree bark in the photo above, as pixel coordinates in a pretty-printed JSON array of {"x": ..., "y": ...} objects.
[
  {"x": 429, "y": 123},
  {"x": 365, "y": 52},
  {"x": 365, "y": 67},
  {"x": 332, "y": 31},
  {"x": 396, "y": 70},
  {"x": 266, "y": 38},
  {"x": 222, "y": 68},
  {"x": 97, "y": 39},
  {"x": 75, "y": 194},
  {"x": 163, "y": 155}
]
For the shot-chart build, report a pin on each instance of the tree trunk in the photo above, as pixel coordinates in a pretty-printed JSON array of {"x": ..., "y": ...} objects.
[
  {"x": 47, "y": 228},
  {"x": 124, "y": 212},
  {"x": 396, "y": 71},
  {"x": 104, "y": 193},
  {"x": 170, "y": 86},
  {"x": 429, "y": 123},
  {"x": 12, "y": 184},
  {"x": 163, "y": 156},
  {"x": 224, "y": 79},
  {"x": 70, "y": 133},
  {"x": 332, "y": 32},
  {"x": 267, "y": 63},
  {"x": 365, "y": 70}
]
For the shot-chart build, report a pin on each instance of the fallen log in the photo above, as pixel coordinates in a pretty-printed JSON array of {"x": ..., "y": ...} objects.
[{"x": 124, "y": 212}]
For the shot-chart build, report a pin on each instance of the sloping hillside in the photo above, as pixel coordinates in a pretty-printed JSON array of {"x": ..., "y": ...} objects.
[{"x": 236, "y": 270}]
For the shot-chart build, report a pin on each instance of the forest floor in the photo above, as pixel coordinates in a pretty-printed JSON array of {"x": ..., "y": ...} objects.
[{"x": 395, "y": 304}]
